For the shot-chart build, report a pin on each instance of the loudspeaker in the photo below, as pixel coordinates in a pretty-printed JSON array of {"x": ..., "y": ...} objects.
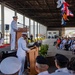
[{"x": 7, "y": 27}]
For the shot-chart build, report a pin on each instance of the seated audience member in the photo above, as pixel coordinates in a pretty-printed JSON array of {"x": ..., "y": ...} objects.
[
  {"x": 10, "y": 66},
  {"x": 31, "y": 38},
  {"x": 73, "y": 47},
  {"x": 55, "y": 42},
  {"x": 40, "y": 42},
  {"x": 58, "y": 43},
  {"x": 60, "y": 73},
  {"x": 68, "y": 44},
  {"x": 71, "y": 66},
  {"x": 41, "y": 66},
  {"x": 63, "y": 43},
  {"x": 49, "y": 37},
  {"x": 61, "y": 63},
  {"x": 36, "y": 43}
]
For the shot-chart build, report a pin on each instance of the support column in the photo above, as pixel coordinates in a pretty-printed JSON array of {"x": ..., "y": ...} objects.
[
  {"x": 2, "y": 18},
  {"x": 34, "y": 29},
  {"x": 29, "y": 27},
  {"x": 37, "y": 30},
  {"x": 46, "y": 32},
  {"x": 23, "y": 21},
  {"x": 62, "y": 32},
  {"x": 15, "y": 13}
]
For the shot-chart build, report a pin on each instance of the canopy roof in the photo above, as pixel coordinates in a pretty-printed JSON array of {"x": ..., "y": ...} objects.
[{"x": 43, "y": 11}]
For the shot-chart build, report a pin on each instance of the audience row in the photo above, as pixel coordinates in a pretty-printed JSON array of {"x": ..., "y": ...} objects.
[
  {"x": 66, "y": 43},
  {"x": 11, "y": 65}
]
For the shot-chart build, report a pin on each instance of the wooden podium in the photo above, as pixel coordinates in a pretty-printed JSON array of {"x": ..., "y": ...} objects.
[
  {"x": 31, "y": 57},
  {"x": 19, "y": 34}
]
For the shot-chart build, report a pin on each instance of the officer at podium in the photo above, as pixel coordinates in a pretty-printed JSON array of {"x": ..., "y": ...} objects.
[
  {"x": 22, "y": 49},
  {"x": 13, "y": 32}
]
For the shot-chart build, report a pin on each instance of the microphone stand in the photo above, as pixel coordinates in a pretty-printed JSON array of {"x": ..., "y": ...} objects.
[{"x": 23, "y": 25}]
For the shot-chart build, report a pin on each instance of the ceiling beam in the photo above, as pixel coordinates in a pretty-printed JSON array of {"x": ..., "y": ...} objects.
[
  {"x": 45, "y": 17},
  {"x": 59, "y": 24}
]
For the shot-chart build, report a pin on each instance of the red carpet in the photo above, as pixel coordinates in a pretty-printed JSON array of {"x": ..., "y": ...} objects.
[{"x": 5, "y": 45}]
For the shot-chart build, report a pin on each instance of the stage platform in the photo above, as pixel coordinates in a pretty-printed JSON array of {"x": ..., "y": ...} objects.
[{"x": 5, "y": 48}]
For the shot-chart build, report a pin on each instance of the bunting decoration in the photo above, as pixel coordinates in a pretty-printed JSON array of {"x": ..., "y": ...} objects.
[{"x": 65, "y": 12}]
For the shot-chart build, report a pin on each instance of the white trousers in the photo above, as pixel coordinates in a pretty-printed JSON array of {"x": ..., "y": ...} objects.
[
  {"x": 22, "y": 59},
  {"x": 13, "y": 39}
]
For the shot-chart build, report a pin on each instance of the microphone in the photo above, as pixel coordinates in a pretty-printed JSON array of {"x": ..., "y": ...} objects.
[
  {"x": 22, "y": 24},
  {"x": 19, "y": 23}
]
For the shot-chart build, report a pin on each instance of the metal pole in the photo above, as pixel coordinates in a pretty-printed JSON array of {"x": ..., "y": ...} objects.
[{"x": 2, "y": 18}]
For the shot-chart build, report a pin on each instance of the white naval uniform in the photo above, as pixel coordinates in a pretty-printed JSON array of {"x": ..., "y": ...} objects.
[
  {"x": 61, "y": 71},
  {"x": 21, "y": 53},
  {"x": 72, "y": 47},
  {"x": 44, "y": 73},
  {"x": 13, "y": 34},
  {"x": 1, "y": 41},
  {"x": 62, "y": 45}
]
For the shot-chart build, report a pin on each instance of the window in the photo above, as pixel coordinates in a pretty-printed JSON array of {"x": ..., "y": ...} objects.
[
  {"x": 54, "y": 32},
  {"x": 36, "y": 30},
  {"x": 26, "y": 21},
  {"x": 43, "y": 30},
  {"x": 8, "y": 14},
  {"x": 31, "y": 30},
  {"x": 0, "y": 18},
  {"x": 49, "y": 32},
  {"x": 20, "y": 20}
]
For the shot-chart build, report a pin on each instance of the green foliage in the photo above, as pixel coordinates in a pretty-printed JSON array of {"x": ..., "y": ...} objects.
[{"x": 43, "y": 50}]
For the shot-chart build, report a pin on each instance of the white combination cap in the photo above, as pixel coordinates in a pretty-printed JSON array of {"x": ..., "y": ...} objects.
[
  {"x": 10, "y": 65},
  {"x": 24, "y": 33},
  {"x": 15, "y": 17}
]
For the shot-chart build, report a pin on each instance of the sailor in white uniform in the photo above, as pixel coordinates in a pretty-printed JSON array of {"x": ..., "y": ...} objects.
[
  {"x": 10, "y": 66},
  {"x": 13, "y": 32},
  {"x": 60, "y": 73},
  {"x": 42, "y": 66},
  {"x": 61, "y": 62},
  {"x": 21, "y": 52}
]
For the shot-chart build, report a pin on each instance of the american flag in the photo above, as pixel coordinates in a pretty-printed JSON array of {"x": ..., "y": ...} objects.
[
  {"x": 64, "y": 6},
  {"x": 69, "y": 13},
  {"x": 66, "y": 10}
]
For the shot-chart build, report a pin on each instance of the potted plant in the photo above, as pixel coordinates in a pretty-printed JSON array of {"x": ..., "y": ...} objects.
[{"x": 43, "y": 50}]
